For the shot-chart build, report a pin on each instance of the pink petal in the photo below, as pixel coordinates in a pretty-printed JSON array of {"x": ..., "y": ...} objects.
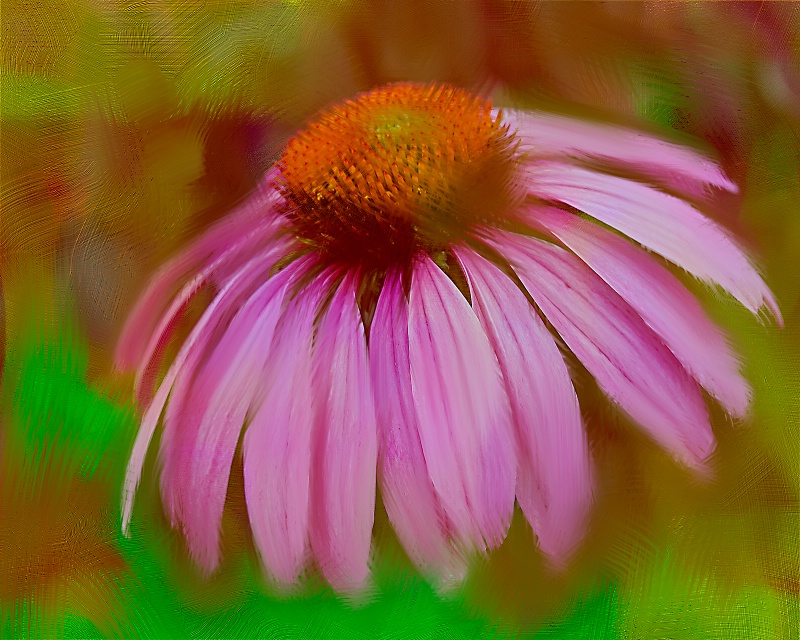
[
  {"x": 133, "y": 471},
  {"x": 554, "y": 483},
  {"x": 408, "y": 494},
  {"x": 261, "y": 209},
  {"x": 187, "y": 358},
  {"x": 626, "y": 358},
  {"x": 267, "y": 256},
  {"x": 343, "y": 503},
  {"x": 662, "y": 301},
  {"x": 221, "y": 396},
  {"x": 462, "y": 409},
  {"x": 277, "y": 444},
  {"x": 547, "y": 135},
  {"x": 667, "y": 225},
  {"x": 249, "y": 225},
  {"x": 185, "y": 411}
]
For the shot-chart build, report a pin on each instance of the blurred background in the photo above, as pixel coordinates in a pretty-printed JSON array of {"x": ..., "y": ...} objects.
[{"x": 129, "y": 127}]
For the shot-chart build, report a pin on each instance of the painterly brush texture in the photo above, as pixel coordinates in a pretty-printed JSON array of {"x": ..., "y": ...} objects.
[{"x": 400, "y": 319}]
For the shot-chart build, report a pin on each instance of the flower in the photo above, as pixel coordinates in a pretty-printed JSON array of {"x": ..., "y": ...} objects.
[{"x": 380, "y": 312}]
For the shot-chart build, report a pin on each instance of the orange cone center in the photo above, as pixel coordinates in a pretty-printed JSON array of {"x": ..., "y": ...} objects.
[{"x": 395, "y": 170}]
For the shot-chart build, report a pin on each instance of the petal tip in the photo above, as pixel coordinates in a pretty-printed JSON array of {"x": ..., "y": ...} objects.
[
  {"x": 698, "y": 458},
  {"x": 774, "y": 310}
]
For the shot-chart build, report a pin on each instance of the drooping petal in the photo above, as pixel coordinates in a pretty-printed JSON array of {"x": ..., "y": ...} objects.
[
  {"x": 345, "y": 442},
  {"x": 548, "y": 135},
  {"x": 223, "y": 391},
  {"x": 186, "y": 408},
  {"x": 133, "y": 471},
  {"x": 554, "y": 481},
  {"x": 627, "y": 359},
  {"x": 667, "y": 225},
  {"x": 462, "y": 409},
  {"x": 260, "y": 211},
  {"x": 149, "y": 324},
  {"x": 662, "y": 301},
  {"x": 408, "y": 494},
  {"x": 188, "y": 357},
  {"x": 267, "y": 256},
  {"x": 277, "y": 444}
]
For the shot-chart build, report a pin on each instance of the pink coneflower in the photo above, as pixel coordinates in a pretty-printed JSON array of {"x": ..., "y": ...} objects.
[{"x": 380, "y": 312}]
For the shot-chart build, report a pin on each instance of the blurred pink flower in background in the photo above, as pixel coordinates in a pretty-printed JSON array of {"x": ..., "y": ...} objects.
[{"x": 384, "y": 309}]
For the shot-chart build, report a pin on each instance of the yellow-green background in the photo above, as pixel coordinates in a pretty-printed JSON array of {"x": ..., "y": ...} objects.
[{"x": 128, "y": 127}]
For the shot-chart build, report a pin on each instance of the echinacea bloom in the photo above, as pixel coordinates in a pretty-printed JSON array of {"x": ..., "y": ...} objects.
[{"x": 379, "y": 314}]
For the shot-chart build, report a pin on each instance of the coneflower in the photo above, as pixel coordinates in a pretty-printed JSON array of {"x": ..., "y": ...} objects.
[{"x": 381, "y": 312}]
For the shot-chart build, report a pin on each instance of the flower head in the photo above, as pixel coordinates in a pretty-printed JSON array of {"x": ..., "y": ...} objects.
[{"x": 379, "y": 315}]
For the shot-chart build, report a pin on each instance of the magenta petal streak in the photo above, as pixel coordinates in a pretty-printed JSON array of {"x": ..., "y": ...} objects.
[
  {"x": 554, "y": 479},
  {"x": 345, "y": 443},
  {"x": 176, "y": 382},
  {"x": 408, "y": 494},
  {"x": 547, "y": 135},
  {"x": 223, "y": 390},
  {"x": 462, "y": 409},
  {"x": 667, "y": 225},
  {"x": 628, "y": 360},
  {"x": 277, "y": 444},
  {"x": 237, "y": 234},
  {"x": 660, "y": 299}
]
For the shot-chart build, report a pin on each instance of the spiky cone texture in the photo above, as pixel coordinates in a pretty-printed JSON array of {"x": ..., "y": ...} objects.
[{"x": 385, "y": 308}]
